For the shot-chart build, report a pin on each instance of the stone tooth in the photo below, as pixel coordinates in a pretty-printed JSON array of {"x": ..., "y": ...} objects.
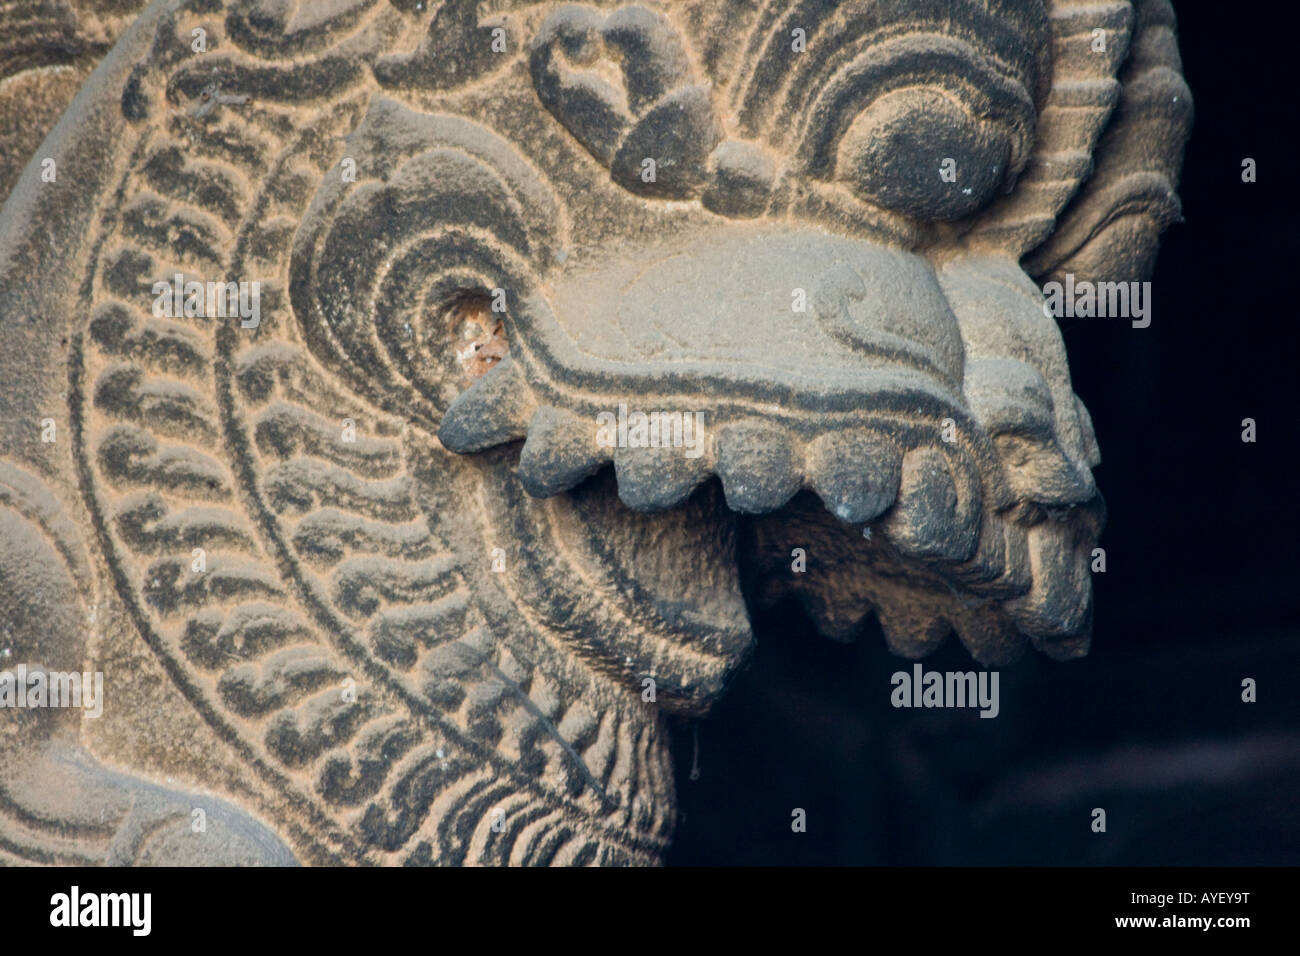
[
  {"x": 1056, "y": 612},
  {"x": 999, "y": 569},
  {"x": 1067, "y": 648},
  {"x": 1040, "y": 471},
  {"x": 653, "y": 479},
  {"x": 759, "y": 466},
  {"x": 985, "y": 631},
  {"x": 1018, "y": 575},
  {"x": 983, "y": 573},
  {"x": 559, "y": 453},
  {"x": 834, "y": 617},
  {"x": 913, "y": 625},
  {"x": 930, "y": 520},
  {"x": 856, "y": 474},
  {"x": 492, "y": 411}
]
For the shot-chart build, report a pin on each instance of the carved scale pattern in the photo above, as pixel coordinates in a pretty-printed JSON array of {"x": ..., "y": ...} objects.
[{"x": 338, "y": 572}]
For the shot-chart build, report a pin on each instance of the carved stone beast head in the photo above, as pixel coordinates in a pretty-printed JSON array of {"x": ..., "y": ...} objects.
[{"x": 778, "y": 264}]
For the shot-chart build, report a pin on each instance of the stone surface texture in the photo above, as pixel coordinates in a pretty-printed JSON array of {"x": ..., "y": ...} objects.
[{"x": 365, "y": 578}]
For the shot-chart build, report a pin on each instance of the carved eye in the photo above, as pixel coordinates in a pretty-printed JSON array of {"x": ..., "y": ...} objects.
[
  {"x": 475, "y": 333},
  {"x": 920, "y": 151},
  {"x": 406, "y": 279},
  {"x": 927, "y": 112},
  {"x": 928, "y": 127}
]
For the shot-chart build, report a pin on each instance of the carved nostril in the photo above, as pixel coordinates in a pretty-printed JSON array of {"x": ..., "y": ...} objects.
[{"x": 477, "y": 333}]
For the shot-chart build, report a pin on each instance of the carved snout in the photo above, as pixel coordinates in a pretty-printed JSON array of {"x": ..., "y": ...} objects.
[{"x": 785, "y": 363}]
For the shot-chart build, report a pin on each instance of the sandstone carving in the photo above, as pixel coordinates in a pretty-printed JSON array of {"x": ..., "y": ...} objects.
[{"x": 405, "y": 406}]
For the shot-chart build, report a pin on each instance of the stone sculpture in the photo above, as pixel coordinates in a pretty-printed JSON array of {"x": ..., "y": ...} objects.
[{"x": 325, "y": 320}]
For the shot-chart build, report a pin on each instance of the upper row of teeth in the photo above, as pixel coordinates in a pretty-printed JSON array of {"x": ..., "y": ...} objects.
[{"x": 761, "y": 463}]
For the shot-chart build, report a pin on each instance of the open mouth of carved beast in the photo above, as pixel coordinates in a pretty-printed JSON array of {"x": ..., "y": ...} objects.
[
  {"x": 788, "y": 410},
  {"x": 822, "y": 417}
]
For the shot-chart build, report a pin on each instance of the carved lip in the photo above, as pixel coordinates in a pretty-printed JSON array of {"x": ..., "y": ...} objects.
[{"x": 777, "y": 358}]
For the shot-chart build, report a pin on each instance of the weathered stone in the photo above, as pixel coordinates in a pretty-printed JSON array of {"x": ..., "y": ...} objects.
[{"x": 515, "y": 324}]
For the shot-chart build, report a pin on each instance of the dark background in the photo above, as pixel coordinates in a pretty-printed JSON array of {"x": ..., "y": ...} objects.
[{"x": 1201, "y": 586}]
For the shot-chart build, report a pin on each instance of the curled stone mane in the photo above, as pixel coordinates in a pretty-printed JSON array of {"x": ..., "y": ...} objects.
[{"x": 545, "y": 334}]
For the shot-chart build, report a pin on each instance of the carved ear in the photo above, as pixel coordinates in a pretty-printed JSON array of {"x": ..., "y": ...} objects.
[
  {"x": 624, "y": 87},
  {"x": 1100, "y": 184},
  {"x": 1110, "y": 231}
]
